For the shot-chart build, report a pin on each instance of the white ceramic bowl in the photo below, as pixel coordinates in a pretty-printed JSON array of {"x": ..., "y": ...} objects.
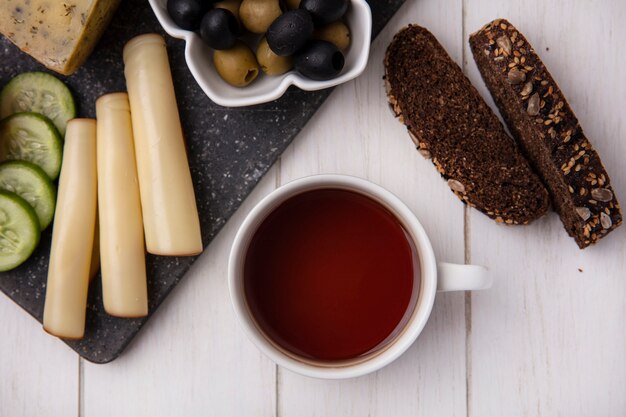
[{"x": 266, "y": 88}]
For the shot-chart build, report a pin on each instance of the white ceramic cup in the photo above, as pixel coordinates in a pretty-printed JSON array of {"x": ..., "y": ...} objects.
[{"x": 433, "y": 277}]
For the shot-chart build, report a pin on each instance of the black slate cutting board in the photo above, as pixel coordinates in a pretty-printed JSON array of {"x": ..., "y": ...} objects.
[{"x": 229, "y": 151}]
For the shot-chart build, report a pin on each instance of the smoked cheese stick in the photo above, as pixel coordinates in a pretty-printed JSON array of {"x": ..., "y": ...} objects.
[
  {"x": 73, "y": 233},
  {"x": 170, "y": 216},
  {"x": 122, "y": 252}
]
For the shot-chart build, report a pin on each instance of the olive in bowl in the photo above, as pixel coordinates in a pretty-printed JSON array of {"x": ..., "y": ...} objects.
[
  {"x": 188, "y": 13},
  {"x": 319, "y": 60},
  {"x": 219, "y": 28},
  {"x": 270, "y": 63},
  {"x": 257, "y": 15},
  {"x": 336, "y": 33},
  {"x": 230, "y": 5},
  {"x": 290, "y": 32},
  {"x": 237, "y": 65},
  {"x": 325, "y": 11}
]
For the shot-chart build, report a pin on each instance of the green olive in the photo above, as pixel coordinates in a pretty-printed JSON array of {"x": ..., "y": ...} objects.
[
  {"x": 258, "y": 15},
  {"x": 336, "y": 33},
  {"x": 230, "y": 5},
  {"x": 292, "y": 4},
  {"x": 270, "y": 63},
  {"x": 237, "y": 65}
]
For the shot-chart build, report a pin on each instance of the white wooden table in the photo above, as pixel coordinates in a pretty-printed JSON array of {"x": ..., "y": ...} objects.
[{"x": 549, "y": 339}]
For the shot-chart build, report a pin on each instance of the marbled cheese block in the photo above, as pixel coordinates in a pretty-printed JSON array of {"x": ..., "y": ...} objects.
[{"x": 59, "y": 34}]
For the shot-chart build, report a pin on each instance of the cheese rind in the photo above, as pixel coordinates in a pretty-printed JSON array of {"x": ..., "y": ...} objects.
[
  {"x": 59, "y": 34},
  {"x": 72, "y": 233},
  {"x": 170, "y": 215},
  {"x": 122, "y": 253}
]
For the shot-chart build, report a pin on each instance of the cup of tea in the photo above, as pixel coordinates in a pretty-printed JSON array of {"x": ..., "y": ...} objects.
[{"x": 332, "y": 276}]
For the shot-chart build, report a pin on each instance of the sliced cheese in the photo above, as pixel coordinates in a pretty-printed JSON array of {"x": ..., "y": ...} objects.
[
  {"x": 122, "y": 253},
  {"x": 170, "y": 215},
  {"x": 59, "y": 34},
  {"x": 73, "y": 233}
]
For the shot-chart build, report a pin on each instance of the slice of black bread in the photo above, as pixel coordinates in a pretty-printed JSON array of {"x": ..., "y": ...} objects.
[
  {"x": 450, "y": 122},
  {"x": 542, "y": 122}
]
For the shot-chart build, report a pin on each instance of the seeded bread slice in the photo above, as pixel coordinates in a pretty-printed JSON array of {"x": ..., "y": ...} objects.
[
  {"x": 450, "y": 122},
  {"x": 544, "y": 125}
]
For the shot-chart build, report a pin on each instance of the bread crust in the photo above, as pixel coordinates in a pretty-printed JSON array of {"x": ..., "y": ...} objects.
[{"x": 452, "y": 125}]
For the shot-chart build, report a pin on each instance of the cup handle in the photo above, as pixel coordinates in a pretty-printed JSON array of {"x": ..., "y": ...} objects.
[{"x": 454, "y": 277}]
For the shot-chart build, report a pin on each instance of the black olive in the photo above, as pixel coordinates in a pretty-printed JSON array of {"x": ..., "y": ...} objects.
[
  {"x": 319, "y": 60},
  {"x": 219, "y": 29},
  {"x": 188, "y": 13},
  {"x": 324, "y": 12},
  {"x": 289, "y": 32}
]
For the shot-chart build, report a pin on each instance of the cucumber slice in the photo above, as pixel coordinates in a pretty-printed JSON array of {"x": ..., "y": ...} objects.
[
  {"x": 31, "y": 183},
  {"x": 19, "y": 230},
  {"x": 31, "y": 137},
  {"x": 38, "y": 92}
]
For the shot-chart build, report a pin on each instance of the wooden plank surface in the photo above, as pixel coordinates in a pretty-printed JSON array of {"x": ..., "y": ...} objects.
[
  {"x": 38, "y": 373},
  {"x": 547, "y": 340}
]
